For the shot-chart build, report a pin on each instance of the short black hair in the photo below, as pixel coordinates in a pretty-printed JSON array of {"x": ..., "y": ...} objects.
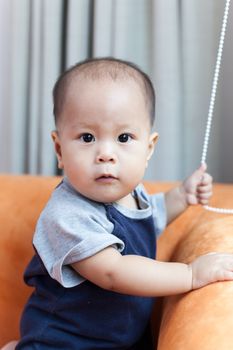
[{"x": 99, "y": 68}]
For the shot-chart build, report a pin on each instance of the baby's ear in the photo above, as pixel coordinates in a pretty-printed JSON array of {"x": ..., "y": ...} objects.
[
  {"x": 57, "y": 147},
  {"x": 152, "y": 142}
]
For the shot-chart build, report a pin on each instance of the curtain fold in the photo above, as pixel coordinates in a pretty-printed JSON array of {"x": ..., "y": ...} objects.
[
  {"x": 174, "y": 41},
  {"x": 44, "y": 67},
  {"x": 225, "y": 116},
  {"x": 4, "y": 88},
  {"x": 79, "y": 31},
  {"x": 168, "y": 80},
  {"x": 201, "y": 25}
]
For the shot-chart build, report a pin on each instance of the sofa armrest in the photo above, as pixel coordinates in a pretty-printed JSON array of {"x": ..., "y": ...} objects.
[
  {"x": 21, "y": 200},
  {"x": 201, "y": 319}
]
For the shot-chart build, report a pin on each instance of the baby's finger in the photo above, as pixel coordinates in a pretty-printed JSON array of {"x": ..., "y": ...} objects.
[
  {"x": 204, "y": 198},
  {"x": 225, "y": 259},
  {"x": 206, "y": 179},
  {"x": 204, "y": 188},
  {"x": 227, "y": 276},
  {"x": 203, "y": 201}
]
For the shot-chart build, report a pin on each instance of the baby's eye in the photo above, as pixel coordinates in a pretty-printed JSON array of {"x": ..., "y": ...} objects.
[
  {"x": 123, "y": 138},
  {"x": 87, "y": 138}
]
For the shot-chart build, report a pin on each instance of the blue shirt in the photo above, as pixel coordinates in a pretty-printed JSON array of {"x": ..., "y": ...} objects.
[{"x": 68, "y": 312}]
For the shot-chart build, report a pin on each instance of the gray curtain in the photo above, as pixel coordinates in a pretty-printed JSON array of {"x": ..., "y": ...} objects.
[{"x": 174, "y": 41}]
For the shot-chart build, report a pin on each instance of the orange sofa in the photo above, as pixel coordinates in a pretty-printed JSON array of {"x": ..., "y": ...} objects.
[{"x": 201, "y": 319}]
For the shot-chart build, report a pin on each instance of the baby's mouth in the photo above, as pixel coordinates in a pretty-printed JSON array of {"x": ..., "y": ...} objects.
[{"x": 106, "y": 178}]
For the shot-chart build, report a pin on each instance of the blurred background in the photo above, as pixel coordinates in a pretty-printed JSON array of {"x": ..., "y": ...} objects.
[{"x": 174, "y": 41}]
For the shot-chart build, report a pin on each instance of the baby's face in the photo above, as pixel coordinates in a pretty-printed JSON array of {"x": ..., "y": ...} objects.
[{"x": 103, "y": 141}]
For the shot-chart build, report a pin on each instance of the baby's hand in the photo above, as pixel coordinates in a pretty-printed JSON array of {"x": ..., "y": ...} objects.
[
  {"x": 198, "y": 187},
  {"x": 211, "y": 268}
]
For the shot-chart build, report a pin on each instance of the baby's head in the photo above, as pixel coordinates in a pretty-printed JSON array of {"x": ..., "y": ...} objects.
[
  {"x": 100, "y": 69},
  {"x": 104, "y": 111}
]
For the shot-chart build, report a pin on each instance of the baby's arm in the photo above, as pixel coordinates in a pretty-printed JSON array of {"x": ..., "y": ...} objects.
[
  {"x": 136, "y": 275},
  {"x": 196, "y": 189}
]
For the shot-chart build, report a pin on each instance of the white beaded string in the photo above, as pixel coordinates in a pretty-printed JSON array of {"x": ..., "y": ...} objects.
[{"x": 212, "y": 101}]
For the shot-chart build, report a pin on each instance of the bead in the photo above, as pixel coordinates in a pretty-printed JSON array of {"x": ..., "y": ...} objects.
[
  {"x": 212, "y": 102},
  {"x": 219, "y": 210}
]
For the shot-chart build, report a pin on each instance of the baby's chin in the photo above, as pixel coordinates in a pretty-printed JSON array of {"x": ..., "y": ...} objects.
[
  {"x": 108, "y": 191},
  {"x": 107, "y": 197}
]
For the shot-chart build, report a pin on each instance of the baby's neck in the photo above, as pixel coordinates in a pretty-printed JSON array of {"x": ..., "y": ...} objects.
[{"x": 129, "y": 202}]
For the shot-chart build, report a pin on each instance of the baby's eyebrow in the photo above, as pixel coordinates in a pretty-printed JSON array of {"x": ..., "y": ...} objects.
[{"x": 82, "y": 125}]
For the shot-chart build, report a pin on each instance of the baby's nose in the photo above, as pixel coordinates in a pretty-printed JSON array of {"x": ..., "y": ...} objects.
[
  {"x": 101, "y": 158},
  {"x": 106, "y": 154}
]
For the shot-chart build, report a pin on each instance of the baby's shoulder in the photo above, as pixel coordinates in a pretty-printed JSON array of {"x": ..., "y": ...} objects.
[{"x": 66, "y": 202}]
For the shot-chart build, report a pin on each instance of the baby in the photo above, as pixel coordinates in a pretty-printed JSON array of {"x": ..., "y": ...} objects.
[{"x": 94, "y": 272}]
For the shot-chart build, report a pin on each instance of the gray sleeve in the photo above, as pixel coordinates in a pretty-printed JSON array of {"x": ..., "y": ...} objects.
[
  {"x": 159, "y": 212},
  {"x": 67, "y": 235},
  {"x": 158, "y": 208}
]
